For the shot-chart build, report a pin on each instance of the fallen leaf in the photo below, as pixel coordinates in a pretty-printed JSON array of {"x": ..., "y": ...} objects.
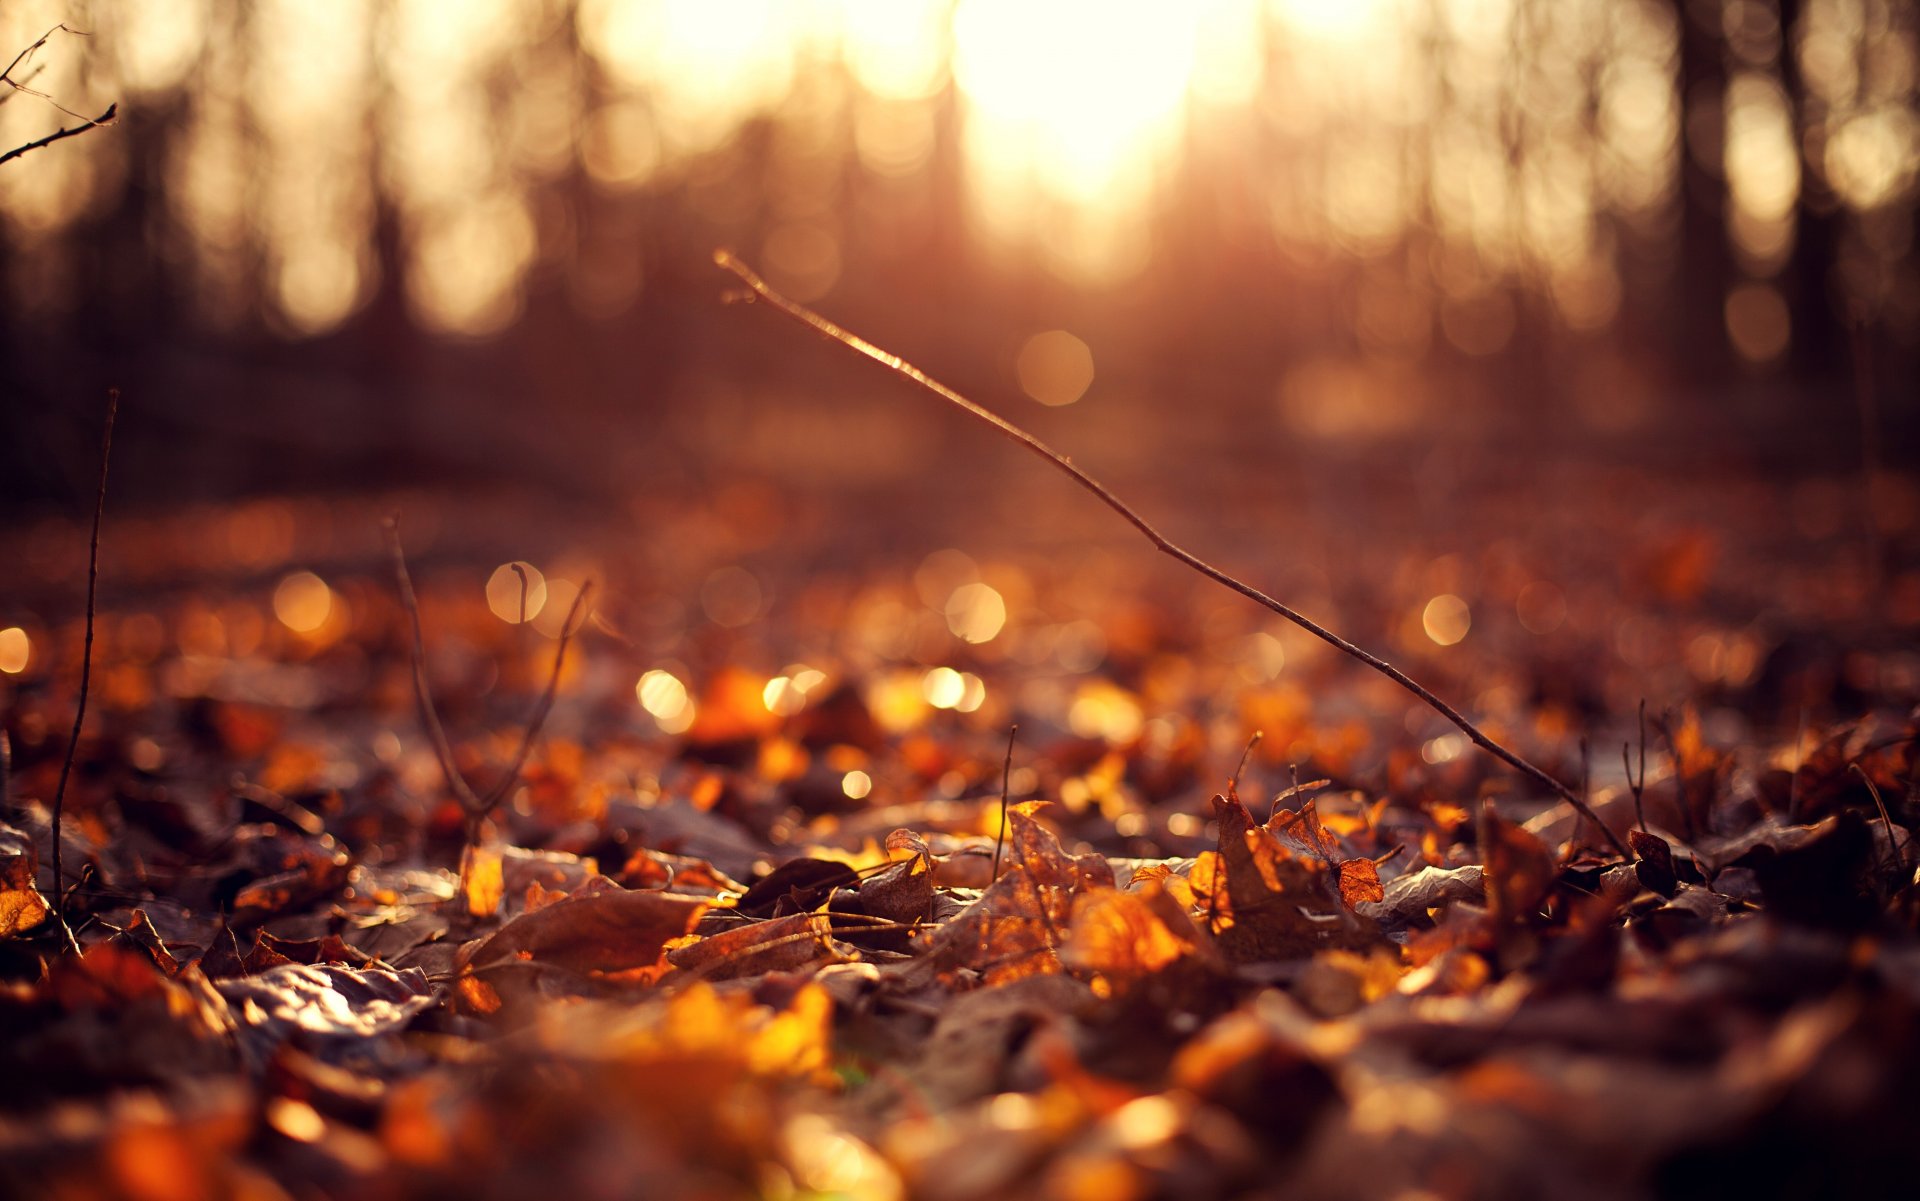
[
  {"x": 783, "y": 944},
  {"x": 1360, "y": 883},
  {"x": 601, "y": 928},
  {"x": 1405, "y": 900},
  {"x": 801, "y": 883},
  {"x": 327, "y": 1010},
  {"x": 21, "y": 906},
  {"x": 1653, "y": 861},
  {"x": 1265, "y": 903}
]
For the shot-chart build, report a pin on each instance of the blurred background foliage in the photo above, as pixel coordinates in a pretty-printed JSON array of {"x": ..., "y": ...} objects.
[{"x": 348, "y": 244}]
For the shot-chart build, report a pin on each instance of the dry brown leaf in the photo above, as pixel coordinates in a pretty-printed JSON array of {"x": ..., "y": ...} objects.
[
  {"x": 1126, "y": 935},
  {"x": 1016, "y": 927},
  {"x": 1264, "y": 902},
  {"x": 783, "y": 944},
  {"x": 601, "y": 928},
  {"x": 966, "y": 1055},
  {"x": 327, "y": 1010}
]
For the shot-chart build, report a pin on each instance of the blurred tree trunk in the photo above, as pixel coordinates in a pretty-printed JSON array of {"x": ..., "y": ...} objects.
[
  {"x": 1705, "y": 267},
  {"x": 1819, "y": 334}
]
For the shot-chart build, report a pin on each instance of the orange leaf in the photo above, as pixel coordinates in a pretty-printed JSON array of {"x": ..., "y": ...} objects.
[{"x": 1360, "y": 882}]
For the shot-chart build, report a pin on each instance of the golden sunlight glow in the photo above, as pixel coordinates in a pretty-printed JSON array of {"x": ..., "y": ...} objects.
[
  {"x": 664, "y": 696},
  {"x": 1055, "y": 368},
  {"x": 15, "y": 650},
  {"x": 1446, "y": 619},
  {"x": 1874, "y": 156},
  {"x": 465, "y": 268},
  {"x": 1509, "y": 146},
  {"x": 976, "y": 613},
  {"x": 1072, "y": 112},
  {"x": 1349, "y": 21},
  {"x": 973, "y": 693},
  {"x": 856, "y": 784},
  {"x": 307, "y": 93},
  {"x": 943, "y": 688},
  {"x": 896, "y": 49},
  {"x": 709, "y": 64},
  {"x": 896, "y": 700},
  {"x": 786, "y": 694},
  {"x": 154, "y": 42},
  {"x": 1763, "y": 168},
  {"x": 1104, "y": 710},
  {"x": 509, "y": 599},
  {"x": 303, "y": 602}
]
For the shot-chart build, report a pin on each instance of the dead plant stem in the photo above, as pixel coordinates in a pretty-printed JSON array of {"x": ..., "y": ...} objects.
[
  {"x": 86, "y": 669},
  {"x": 475, "y": 807},
  {"x": 1006, "y": 785},
  {"x": 807, "y": 317}
]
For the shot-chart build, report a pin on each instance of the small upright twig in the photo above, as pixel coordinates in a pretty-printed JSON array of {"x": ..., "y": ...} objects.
[
  {"x": 1006, "y": 786},
  {"x": 422, "y": 692},
  {"x": 520, "y": 569},
  {"x": 538, "y": 719},
  {"x": 24, "y": 56},
  {"x": 86, "y": 664},
  {"x": 899, "y": 366},
  {"x": 1893, "y": 844},
  {"x": 476, "y": 807},
  {"x": 1638, "y": 786},
  {"x": 1233, "y": 781}
]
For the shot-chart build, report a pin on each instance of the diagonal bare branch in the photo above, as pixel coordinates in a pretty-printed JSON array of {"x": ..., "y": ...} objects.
[
  {"x": 71, "y": 131},
  {"x": 760, "y": 288}
]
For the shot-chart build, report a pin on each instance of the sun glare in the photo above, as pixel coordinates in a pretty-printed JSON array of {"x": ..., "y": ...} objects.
[{"x": 1072, "y": 132}]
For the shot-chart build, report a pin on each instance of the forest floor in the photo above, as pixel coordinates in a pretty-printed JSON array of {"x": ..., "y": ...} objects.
[{"x": 772, "y": 910}]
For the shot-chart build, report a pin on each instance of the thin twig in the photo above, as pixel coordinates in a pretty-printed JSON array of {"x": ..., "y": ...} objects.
[
  {"x": 1233, "y": 781},
  {"x": 86, "y": 665},
  {"x": 70, "y": 131},
  {"x": 1638, "y": 787},
  {"x": 422, "y": 694},
  {"x": 807, "y": 317},
  {"x": 520, "y": 569},
  {"x": 1006, "y": 785},
  {"x": 20, "y": 85},
  {"x": 475, "y": 807},
  {"x": 24, "y": 55},
  {"x": 1292, "y": 790},
  {"x": 538, "y": 719},
  {"x": 1893, "y": 844}
]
